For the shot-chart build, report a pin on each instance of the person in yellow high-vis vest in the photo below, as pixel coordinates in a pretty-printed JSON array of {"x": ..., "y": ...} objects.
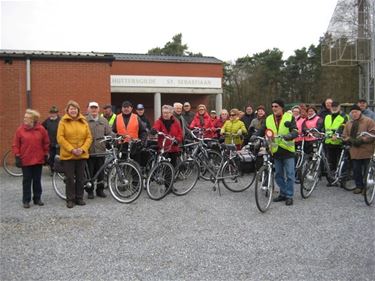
[
  {"x": 108, "y": 114},
  {"x": 334, "y": 123},
  {"x": 282, "y": 124}
]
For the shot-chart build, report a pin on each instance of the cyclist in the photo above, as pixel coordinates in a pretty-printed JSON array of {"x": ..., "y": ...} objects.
[
  {"x": 203, "y": 120},
  {"x": 108, "y": 114},
  {"x": 233, "y": 126},
  {"x": 296, "y": 111},
  {"x": 282, "y": 124},
  {"x": 169, "y": 125},
  {"x": 74, "y": 138},
  {"x": 258, "y": 122},
  {"x": 30, "y": 146},
  {"x": 362, "y": 148},
  {"x": 248, "y": 116},
  {"x": 334, "y": 123},
  {"x": 129, "y": 124},
  {"x": 188, "y": 114},
  {"x": 141, "y": 113},
  {"x": 99, "y": 128},
  {"x": 51, "y": 124},
  {"x": 326, "y": 108},
  {"x": 312, "y": 121},
  {"x": 362, "y": 103}
]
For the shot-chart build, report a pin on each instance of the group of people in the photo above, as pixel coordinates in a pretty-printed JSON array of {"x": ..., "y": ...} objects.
[{"x": 76, "y": 138}]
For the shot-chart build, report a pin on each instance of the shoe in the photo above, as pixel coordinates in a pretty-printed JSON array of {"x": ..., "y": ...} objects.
[
  {"x": 90, "y": 195},
  {"x": 69, "y": 204},
  {"x": 357, "y": 190},
  {"x": 100, "y": 193},
  {"x": 289, "y": 201},
  {"x": 279, "y": 198},
  {"x": 39, "y": 203},
  {"x": 80, "y": 202},
  {"x": 26, "y": 205}
]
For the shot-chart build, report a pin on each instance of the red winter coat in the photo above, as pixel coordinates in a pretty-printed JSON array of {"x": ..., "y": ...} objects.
[
  {"x": 175, "y": 131},
  {"x": 31, "y": 144},
  {"x": 207, "y": 125}
]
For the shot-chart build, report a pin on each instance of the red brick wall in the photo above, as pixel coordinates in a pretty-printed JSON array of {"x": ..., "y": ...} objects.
[{"x": 52, "y": 83}]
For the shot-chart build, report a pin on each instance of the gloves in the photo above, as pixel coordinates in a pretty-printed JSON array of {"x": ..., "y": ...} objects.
[
  {"x": 239, "y": 132},
  {"x": 356, "y": 142},
  {"x": 175, "y": 142},
  {"x": 153, "y": 131},
  {"x": 18, "y": 162},
  {"x": 288, "y": 137}
]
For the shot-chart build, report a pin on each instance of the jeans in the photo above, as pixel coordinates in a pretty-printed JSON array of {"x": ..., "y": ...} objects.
[
  {"x": 31, "y": 175},
  {"x": 359, "y": 170},
  {"x": 285, "y": 167}
]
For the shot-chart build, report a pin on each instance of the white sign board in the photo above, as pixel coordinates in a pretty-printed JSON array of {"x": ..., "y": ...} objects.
[{"x": 165, "y": 81}]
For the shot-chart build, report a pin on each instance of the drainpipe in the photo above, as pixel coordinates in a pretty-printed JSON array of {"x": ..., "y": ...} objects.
[{"x": 28, "y": 84}]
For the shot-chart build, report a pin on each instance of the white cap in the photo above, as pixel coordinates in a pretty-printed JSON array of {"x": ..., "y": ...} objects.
[{"x": 93, "y": 103}]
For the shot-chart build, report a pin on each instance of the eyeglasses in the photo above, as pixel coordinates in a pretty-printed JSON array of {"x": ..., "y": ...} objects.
[{"x": 232, "y": 114}]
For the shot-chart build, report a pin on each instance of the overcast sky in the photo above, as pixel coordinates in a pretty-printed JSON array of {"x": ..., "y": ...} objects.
[{"x": 226, "y": 30}]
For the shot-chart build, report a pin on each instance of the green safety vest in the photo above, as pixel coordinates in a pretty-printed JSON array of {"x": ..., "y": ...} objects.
[
  {"x": 331, "y": 127},
  {"x": 111, "y": 120},
  {"x": 281, "y": 131}
]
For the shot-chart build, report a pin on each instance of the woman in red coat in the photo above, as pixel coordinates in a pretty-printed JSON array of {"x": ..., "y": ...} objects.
[
  {"x": 203, "y": 120},
  {"x": 31, "y": 147},
  {"x": 169, "y": 125}
]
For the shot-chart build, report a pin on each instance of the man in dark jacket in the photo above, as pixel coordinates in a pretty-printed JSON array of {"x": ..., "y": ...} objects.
[
  {"x": 247, "y": 118},
  {"x": 188, "y": 114},
  {"x": 141, "y": 113},
  {"x": 51, "y": 124}
]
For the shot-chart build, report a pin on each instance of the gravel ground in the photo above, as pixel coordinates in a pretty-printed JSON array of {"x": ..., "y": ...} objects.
[{"x": 200, "y": 236}]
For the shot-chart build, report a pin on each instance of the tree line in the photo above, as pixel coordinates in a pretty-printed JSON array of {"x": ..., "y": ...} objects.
[{"x": 264, "y": 76}]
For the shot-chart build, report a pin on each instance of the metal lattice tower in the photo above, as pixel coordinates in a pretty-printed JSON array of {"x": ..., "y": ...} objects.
[{"x": 350, "y": 41}]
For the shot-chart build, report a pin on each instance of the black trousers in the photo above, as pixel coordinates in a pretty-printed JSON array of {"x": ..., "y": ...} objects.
[
  {"x": 333, "y": 155},
  {"x": 359, "y": 170},
  {"x": 74, "y": 171},
  {"x": 95, "y": 163},
  {"x": 52, "y": 154},
  {"x": 31, "y": 176}
]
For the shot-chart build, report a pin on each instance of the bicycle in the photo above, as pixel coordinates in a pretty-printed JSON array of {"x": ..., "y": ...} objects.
[
  {"x": 370, "y": 177},
  {"x": 9, "y": 165},
  {"x": 199, "y": 146},
  {"x": 124, "y": 177},
  {"x": 161, "y": 175},
  {"x": 318, "y": 161}
]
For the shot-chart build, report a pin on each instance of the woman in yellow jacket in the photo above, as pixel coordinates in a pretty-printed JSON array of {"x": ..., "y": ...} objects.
[
  {"x": 234, "y": 128},
  {"x": 74, "y": 138}
]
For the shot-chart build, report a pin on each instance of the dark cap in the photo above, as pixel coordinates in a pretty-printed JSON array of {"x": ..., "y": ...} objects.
[
  {"x": 355, "y": 107},
  {"x": 127, "y": 103},
  {"x": 107, "y": 106},
  {"x": 279, "y": 102},
  {"x": 53, "y": 109},
  {"x": 335, "y": 104},
  {"x": 140, "y": 106}
]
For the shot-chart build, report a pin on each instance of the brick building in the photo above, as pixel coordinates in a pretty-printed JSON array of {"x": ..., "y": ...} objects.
[{"x": 40, "y": 79}]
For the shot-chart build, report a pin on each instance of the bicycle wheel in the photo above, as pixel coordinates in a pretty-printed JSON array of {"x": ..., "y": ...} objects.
[
  {"x": 310, "y": 178},
  {"x": 214, "y": 160},
  {"x": 370, "y": 184},
  {"x": 346, "y": 179},
  {"x": 10, "y": 166},
  {"x": 160, "y": 180},
  {"x": 234, "y": 179},
  {"x": 125, "y": 182},
  {"x": 58, "y": 183},
  {"x": 186, "y": 176},
  {"x": 264, "y": 186}
]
